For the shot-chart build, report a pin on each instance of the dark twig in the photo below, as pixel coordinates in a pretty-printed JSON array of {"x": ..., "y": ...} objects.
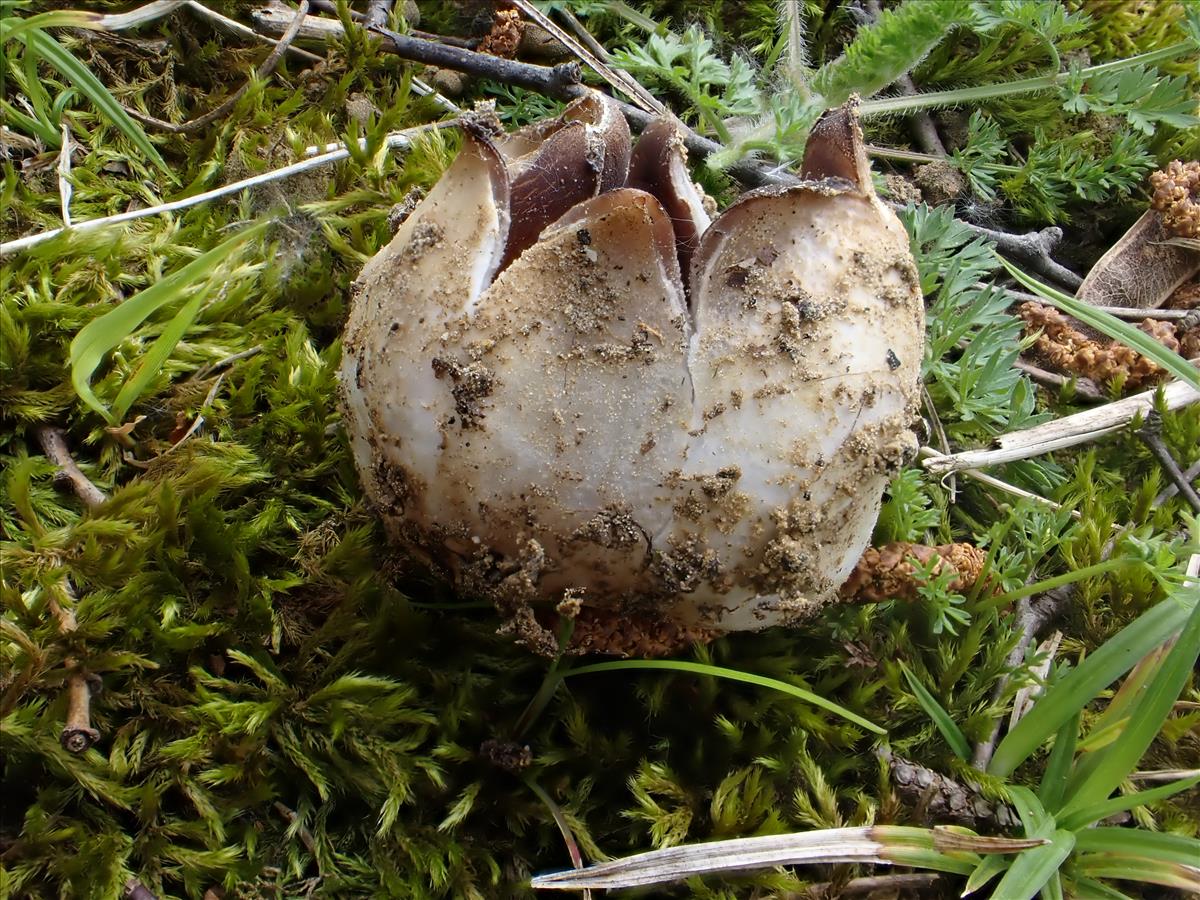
[
  {"x": 1085, "y": 388},
  {"x": 1190, "y": 474},
  {"x": 618, "y": 78},
  {"x": 378, "y": 12},
  {"x": 303, "y": 833},
  {"x": 922, "y": 123},
  {"x": 264, "y": 70},
  {"x": 77, "y": 734},
  {"x": 1033, "y": 615},
  {"x": 923, "y": 128},
  {"x": 54, "y": 445},
  {"x": 135, "y": 890},
  {"x": 1151, "y": 435},
  {"x": 1033, "y": 250},
  {"x": 561, "y": 81}
]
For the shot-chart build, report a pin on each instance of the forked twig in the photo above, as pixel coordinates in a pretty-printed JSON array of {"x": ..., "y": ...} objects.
[
  {"x": 267, "y": 67},
  {"x": 1151, "y": 435},
  {"x": 232, "y": 26}
]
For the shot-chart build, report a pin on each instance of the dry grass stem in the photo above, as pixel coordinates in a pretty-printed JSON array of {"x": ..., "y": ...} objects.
[
  {"x": 1069, "y": 431},
  {"x": 394, "y": 140},
  {"x": 929, "y": 453},
  {"x": 621, "y": 80},
  {"x": 232, "y": 26}
]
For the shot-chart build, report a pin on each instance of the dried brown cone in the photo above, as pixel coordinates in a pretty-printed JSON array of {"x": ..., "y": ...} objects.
[
  {"x": 941, "y": 798},
  {"x": 1066, "y": 348},
  {"x": 888, "y": 573},
  {"x": 631, "y": 634},
  {"x": 1177, "y": 197},
  {"x": 505, "y": 36},
  {"x": 1189, "y": 343},
  {"x": 1186, "y": 296}
]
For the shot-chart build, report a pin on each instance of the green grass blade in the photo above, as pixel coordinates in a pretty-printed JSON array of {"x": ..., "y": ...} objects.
[
  {"x": 1110, "y": 326},
  {"x": 731, "y": 675},
  {"x": 12, "y": 27},
  {"x": 1175, "y": 848},
  {"x": 1090, "y": 889},
  {"x": 1145, "y": 721},
  {"x": 989, "y": 867},
  {"x": 91, "y": 87},
  {"x": 1108, "y": 663},
  {"x": 1086, "y": 815},
  {"x": 160, "y": 351},
  {"x": 96, "y": 339},
  {"x": 1058, "y": 767},
  {"x": 1109, "y": 726},
  {"x": 1031, "y": 870},
  {"x": 1184, "y": 877},
  {"x": 1037, "y": 822},
  {"x": 1053, "y": 889},
  {"x": 945, "y": 724},
  {"x": 44, "y": 131}
]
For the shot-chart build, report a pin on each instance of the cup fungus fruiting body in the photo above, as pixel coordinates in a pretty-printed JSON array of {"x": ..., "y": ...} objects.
[{"x": 563, "y": 382}]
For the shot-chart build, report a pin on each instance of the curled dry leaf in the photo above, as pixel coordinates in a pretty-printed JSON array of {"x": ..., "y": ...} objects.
[
  {"x": 562, "y": 379},
  {"x": 1142, "y": 268}
]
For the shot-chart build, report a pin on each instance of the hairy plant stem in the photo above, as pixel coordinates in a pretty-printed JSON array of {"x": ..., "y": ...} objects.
[
  {"x": 909, "y": 104},
  {"x": 1100, "y": 568}
]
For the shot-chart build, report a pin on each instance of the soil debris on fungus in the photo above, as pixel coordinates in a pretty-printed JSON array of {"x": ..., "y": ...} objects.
[{"x": 559, "y": 344}]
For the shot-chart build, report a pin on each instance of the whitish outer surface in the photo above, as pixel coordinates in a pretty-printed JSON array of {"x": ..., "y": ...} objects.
[{"x": 573, "y": 426}]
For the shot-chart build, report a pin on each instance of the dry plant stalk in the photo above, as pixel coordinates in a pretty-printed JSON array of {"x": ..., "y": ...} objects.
[
  {"x": 1068, "y": 431},
  {"x": 888, "y": 573}
]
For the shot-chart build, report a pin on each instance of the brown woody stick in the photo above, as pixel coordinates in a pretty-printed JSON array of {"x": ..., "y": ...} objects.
[{"x": 77, "y": 734}]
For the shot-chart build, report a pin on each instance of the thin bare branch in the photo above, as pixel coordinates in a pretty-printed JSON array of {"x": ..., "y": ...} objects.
[
  {"x": 621, "y": 80},
  {"x": 54, "y": 445},
  {"x": 1151, "y": 435},
  {"x": 232, "y": 26},
  {"x": 267, "y": 67}
]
